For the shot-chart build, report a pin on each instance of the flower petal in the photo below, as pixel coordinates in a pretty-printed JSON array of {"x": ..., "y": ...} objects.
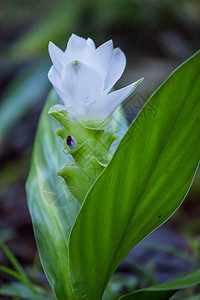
[
  {"x": 103, "y": 107},
  {"x": 91, "y": 43},
  {"x": 82, "y": 83},
  {"x": 54, "y": 78},
  {"x": 56, "y": 56},
  {"x": 117, "y": 66},
  {"x": 77, "y": 49},
  {"x": 100, "y": 60}
]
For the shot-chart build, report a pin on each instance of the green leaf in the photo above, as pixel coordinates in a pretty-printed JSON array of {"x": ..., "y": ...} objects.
[
  {"x": 145, "y": 182},
  {"x": 52, "y": 207},
  {"x": 166, "y": 290}
]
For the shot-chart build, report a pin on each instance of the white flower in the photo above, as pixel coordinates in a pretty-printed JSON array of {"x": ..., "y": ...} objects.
[{"x": 83, "y": 75}]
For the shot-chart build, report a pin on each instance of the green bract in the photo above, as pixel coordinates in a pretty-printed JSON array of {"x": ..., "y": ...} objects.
[
  {"x": 145, "y": 182},
  {"x": 90, "y": 152}
]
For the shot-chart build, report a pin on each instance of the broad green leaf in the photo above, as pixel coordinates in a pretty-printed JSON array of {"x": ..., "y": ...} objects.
[
  {"x": 166, "y": 290},
  {"x": 145, "y": 182},
  {"x": 52, "y": 207}
]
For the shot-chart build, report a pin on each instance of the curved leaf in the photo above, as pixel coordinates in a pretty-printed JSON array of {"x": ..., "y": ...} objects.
[
  {"x": 145, "y": 182},
  {"x": 165, "y": 290},
  {"x": 52, "y": 207}
]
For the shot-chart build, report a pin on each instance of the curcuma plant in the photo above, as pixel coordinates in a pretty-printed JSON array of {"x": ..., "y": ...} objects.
[{"x": 97, "y": 187}]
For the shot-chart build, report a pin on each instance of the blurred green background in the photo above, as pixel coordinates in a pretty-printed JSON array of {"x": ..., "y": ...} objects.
[{"x": 156, "y": 37}]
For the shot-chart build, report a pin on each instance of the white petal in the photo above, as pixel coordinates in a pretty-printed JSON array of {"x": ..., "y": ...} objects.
[
  {"x": 116, "y": 69},
  {"x": 100, "y": 60},
  {"x": 91, "y": 43},
  {"x": 56, "y": 56},
  {"x": 56, "y": 82},
  {"x": 54, "y": 77},
  {"x": 82, "y": 83},
  {"x": 104, "y": 106},
  {"x": 77, "y": 49}
]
